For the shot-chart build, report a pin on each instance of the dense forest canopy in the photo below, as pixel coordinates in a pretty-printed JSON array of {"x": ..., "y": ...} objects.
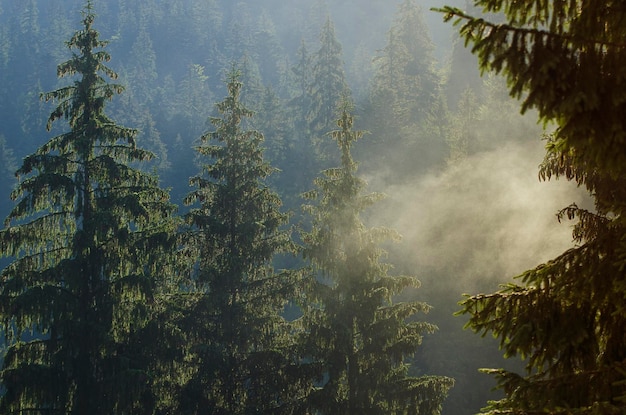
[{"x": 211, "y": 121}]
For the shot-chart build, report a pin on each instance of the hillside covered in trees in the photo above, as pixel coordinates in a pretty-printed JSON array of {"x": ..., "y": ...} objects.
[{"x": 233, "y": 207}]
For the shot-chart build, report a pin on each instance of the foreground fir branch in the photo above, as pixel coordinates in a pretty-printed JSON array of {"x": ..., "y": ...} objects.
[{"x": 566, "y": 317}]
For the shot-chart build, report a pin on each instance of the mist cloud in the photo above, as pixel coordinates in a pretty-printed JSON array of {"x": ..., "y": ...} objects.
[{"x": 481, "y": 221}]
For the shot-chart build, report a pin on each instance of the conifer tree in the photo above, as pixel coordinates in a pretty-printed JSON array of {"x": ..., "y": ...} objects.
[
  {"x": 242, "y": 344},
  {"x": 566, "y": 317},
  {"x": 191, "y": 100},
  {"x": 8, "y": 164},
  {"x": 301, "y": 102},
  {"x": 327, "y": 80},
  {"x": 406, "y": 109},
  {"x": 562, "y": 58},
  {"x": 354, "y": 332},
  {"x": 87, "y": 235},
  {"x": 406, "y": 68}
]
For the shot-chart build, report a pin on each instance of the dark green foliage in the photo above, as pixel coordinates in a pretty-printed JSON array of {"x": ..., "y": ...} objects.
[
  {"x": 241, "y": 345},
  {"x": 354, "y": 333},
  {"x": 88, "y": 233},
  {"x": 566, "y": 317},
  {"x": 170, "y": 56},
  {"x": 8, "y": 164},
  {"x": 564, "y": 59}
]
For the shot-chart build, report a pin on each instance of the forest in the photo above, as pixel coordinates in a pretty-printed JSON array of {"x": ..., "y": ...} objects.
[{"x": 312, "y": 207}]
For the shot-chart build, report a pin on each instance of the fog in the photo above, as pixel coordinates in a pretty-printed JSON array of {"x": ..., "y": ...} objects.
[
  {"x": 485, "y": 219},
  {"x": 467, "y": 229}
]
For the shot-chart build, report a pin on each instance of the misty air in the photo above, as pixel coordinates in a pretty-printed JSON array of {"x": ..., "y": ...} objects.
[{"x": 312, "y": 207}]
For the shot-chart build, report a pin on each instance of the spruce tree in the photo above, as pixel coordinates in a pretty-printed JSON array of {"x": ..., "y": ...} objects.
[
  {"x": 406, "y": 109},
  {"x": 566, "y": 317},
  {"x": 355, "y": 334},
  {"x": 562, "y": 59},
  {"x": 328, "y": 82},
  {"x": 241, "y": 343},
  {"x": 8, "y": 164},
  {"x": 87, "y": 234}
]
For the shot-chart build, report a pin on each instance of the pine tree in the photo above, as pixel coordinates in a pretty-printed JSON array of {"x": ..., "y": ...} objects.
[
  {"x": 354, "y": 332},
  {"x": 566, "y": 317},
  {"x": 242, "y": 343},
  {"x": 87, "y": 233}
]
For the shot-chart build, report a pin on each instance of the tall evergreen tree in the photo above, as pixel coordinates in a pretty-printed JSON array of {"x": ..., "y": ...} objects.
[
  {"x": 142, "y": 71},
  {"x": 88, "y": 233},
  {"x": 191, "y": 100},
  {"x": 462, "y": 131},
  {"x": 328, "y": 82},
  {"x": 242, "y": 343},
  {"x": 406, "y": 108},
  {"x": 566, "y": 317},
  {"x": 406, "y": 67},
  {"x": 301, "y": 102},
  {"x": 388, "y": 95},
  {"x": 354, "y": 331},
  {"x": 268, "y": 49}
]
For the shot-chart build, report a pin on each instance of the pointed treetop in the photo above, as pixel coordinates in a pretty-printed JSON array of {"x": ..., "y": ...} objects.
[
  {"x": 233, "y": 77},
  {"x": 88, "y": 15},
  {"x": 344, "y": 135}
]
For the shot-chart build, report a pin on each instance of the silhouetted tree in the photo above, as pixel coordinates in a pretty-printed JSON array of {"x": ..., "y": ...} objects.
[{"x": 566, "y": 317}]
